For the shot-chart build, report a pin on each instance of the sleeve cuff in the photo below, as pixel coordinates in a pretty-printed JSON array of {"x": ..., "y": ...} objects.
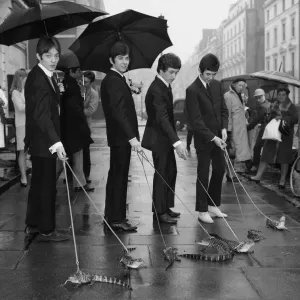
[
  {"x": 176, "y": 144},
  {"x": 213, "y": 139},
  {"x": 132, "y": 139},
  {"x": 54, "y": 147}
]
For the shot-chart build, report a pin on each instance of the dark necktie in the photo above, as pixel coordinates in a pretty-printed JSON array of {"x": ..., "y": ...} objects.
[
  {"x": 208, "y": 88},
  {"x": 51, "y": 82},
  {"x": 170, "y": 91}
]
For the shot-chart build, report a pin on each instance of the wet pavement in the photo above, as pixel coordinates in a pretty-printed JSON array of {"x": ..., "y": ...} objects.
[{"x": 31, "y": 270}]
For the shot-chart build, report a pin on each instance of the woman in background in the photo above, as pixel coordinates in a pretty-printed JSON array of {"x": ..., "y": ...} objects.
[
  {"x": 17, "y": 94},
  {"x": 279, "y": 152}
]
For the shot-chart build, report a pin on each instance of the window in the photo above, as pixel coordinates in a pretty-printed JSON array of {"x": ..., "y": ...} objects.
[
  {"x": 293, "y": 26},
  {"x": 293, "y": 63},
  {"x": 275, "y": 64},
  {"x": 240, "y": 44},
  {"x": 293, "y": 2},
  {"x": 283, "y": 5},
  {"x": 268, "y": 40},
  {"x": 275, "y": 37},
  {"x": 234, "y": 29},
  {"x": 283, "y": 63},
  {"x": 235, "y": 50},
  {"x": 268, "y": 64},
  {"x": 283, "y": 31},
  {"x": 268, "y": 16},
  {"x": 240, "y": 27},
  {"x": 275, "y": 10}
]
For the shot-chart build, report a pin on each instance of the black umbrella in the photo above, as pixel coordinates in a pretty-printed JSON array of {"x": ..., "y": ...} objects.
[
  {"x": 44, "y": 20},
  {"x": 146, "y": 36}
]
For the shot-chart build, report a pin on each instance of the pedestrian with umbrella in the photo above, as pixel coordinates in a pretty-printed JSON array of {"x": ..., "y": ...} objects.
[{"x": 122, "y": 135}]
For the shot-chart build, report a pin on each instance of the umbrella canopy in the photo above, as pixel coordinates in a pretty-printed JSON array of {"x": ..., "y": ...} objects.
[
  {"x": 281, "y": 77},
  {"x": 44, "y": 20},
  {"x": 67, "y": 60},
  {"x": 145, "y": 35}
]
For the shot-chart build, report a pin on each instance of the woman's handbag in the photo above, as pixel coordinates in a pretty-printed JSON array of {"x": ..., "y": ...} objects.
[
  {"x": 272, "y": 131},
  {"x": 284, "y": 128}
]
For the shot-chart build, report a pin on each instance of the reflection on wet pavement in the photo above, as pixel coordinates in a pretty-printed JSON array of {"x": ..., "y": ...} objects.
[{"x": 31, "y": 270}]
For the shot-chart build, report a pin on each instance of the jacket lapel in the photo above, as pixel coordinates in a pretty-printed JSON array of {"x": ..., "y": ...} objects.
[
  {"x": 56, "y": 89},
  {"x": 200, "y": 84},
  {"x": 166, "y": 89}
]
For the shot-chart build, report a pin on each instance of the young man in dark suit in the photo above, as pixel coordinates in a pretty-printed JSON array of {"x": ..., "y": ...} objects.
[
  {"x": 161, "y": 138},
  {"x": 42, "y": 139},
  {"x": 208, "y": 116},
  {"x": 122, "y": 135}
]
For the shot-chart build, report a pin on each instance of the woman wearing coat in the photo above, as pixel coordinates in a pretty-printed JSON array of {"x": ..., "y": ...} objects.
[
  {"x": 17, "y": 95},
  {"x": 237, "y": 123},
  {"x": 279, "y": 152}
]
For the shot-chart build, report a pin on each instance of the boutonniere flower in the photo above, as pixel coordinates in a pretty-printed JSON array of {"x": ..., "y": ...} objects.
[{"x": 136, "y": 88}]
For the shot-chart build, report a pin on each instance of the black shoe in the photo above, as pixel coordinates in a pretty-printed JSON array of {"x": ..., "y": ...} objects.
[
  {"x": 53, "y": 237},
  {"x": 173, "y": 214},
  {"x": 86, "y": 187},
  {"x": 188, "y": 148},
  {"x": 165, "y": 218},
  {"x": 30, "y": 230},
  {"x": 125, "y": 226},
  {"x": 88, "y": 181}
]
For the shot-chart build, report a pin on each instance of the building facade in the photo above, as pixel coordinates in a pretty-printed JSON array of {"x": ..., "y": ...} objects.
[
  {"x": 282, "y": 39},
  {"x": 243, "y": 38},
  {"x": 13, "y": 57}
]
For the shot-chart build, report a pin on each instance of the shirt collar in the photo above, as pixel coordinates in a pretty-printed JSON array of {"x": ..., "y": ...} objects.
[
  {"x": 117, "y": 71},
  {"x": 203, "y": 82},
  {"x": 46, "y": 71},
  {"x": 167, "y": 84}
]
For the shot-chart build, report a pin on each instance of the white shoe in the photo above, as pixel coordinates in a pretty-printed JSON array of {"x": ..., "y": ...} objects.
[
  {"x": 215, "y": 212},
  {"x": 205, "y": 217}
]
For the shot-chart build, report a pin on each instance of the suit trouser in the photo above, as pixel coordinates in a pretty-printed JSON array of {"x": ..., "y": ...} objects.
[
  {"x": 214, "y": 155},
  {"x": 165, "y": 163},
  {"x": 86, "y": 162},
  {"x": 42, "y": 194},
  {"x": 189, "y": 138},
  {"x": 117, "y": 181}
]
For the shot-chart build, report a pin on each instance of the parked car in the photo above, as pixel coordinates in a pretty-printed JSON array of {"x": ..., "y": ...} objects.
[{"x": 179, "y": 116}]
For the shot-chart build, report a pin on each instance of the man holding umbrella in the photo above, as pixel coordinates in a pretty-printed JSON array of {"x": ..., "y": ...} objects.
[{"x": 122, "y": 135}]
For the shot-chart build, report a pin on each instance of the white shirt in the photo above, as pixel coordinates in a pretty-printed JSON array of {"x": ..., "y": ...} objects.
[
  {"x": 117, "y": 72},
  {"x": 54, "y": 147},
  {"x": 167, "y": 84},
  {"x": 203, "y": 82}
]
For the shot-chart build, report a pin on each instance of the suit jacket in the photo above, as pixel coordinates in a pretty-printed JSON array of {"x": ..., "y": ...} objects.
[
  {"x": 160, "y": 133},
  {"x": 119, "y": 110},
  {"x": 207, "y": 112},
  {"x": 42, "y": 113},
  {"x": 75, "y": 132}
]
